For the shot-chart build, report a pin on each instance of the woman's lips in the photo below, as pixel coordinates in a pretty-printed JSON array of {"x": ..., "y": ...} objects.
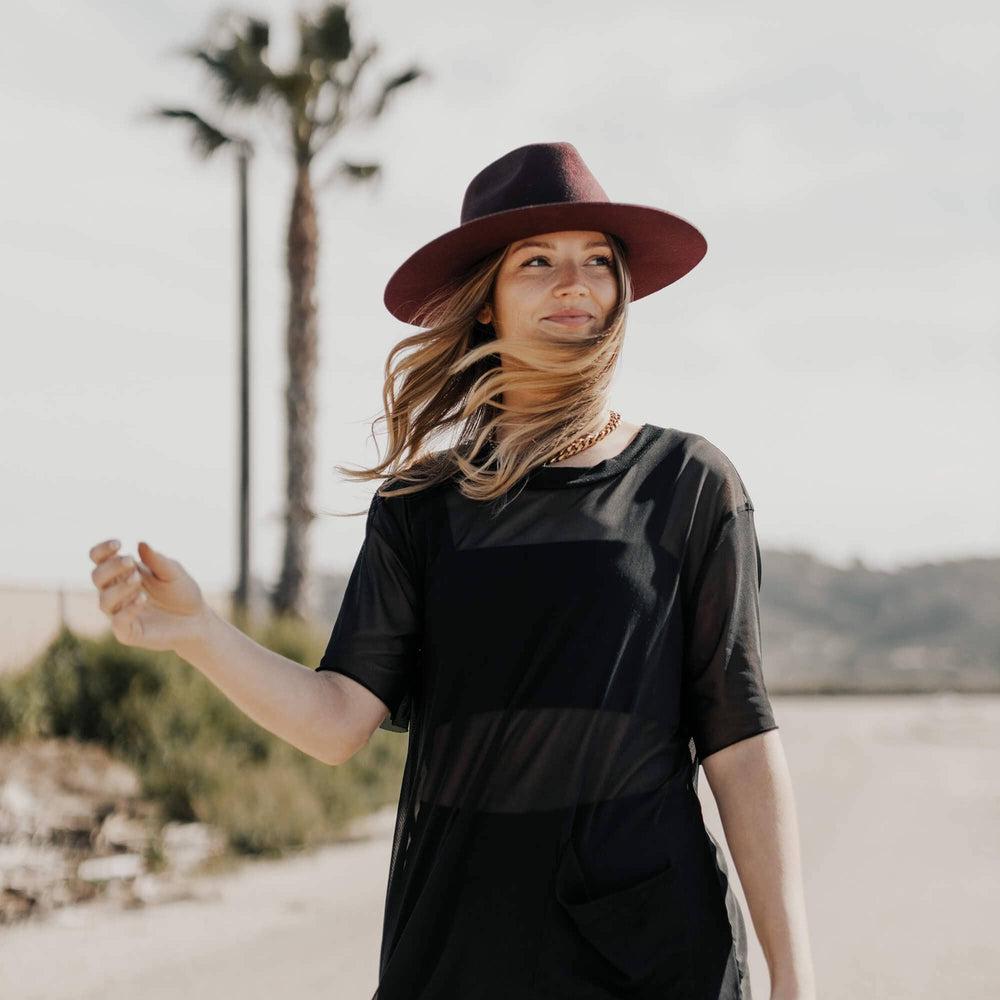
[{"x": 569, "y": 320}]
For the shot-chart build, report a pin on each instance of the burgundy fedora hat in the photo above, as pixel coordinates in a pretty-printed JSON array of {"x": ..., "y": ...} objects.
[{"x": 544, "y": 187}]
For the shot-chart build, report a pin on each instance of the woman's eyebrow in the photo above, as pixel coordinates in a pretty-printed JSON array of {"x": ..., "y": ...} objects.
[{"x": 549, "y": 246}]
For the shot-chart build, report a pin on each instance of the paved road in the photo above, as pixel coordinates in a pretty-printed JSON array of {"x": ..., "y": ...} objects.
[{"x": 899, "y": 807}]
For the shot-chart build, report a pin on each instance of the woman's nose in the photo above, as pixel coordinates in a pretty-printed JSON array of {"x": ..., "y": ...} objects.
[{"x": 571, "y": 276}]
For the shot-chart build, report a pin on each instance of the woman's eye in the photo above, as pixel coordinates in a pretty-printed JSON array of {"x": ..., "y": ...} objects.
[{"x": 530, "y": 260}]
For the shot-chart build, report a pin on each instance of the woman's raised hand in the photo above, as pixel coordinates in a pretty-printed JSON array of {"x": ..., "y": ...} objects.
[{"x": 152, "y": 604}]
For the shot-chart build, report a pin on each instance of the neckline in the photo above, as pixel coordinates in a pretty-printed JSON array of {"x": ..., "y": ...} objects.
[{"x": 544, "y": 476}]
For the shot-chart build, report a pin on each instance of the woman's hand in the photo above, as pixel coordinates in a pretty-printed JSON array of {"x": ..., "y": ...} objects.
[{"x": 153, "y": 604}]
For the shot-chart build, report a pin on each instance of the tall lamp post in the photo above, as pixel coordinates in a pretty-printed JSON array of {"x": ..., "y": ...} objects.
[
  {"x": 206, "y": 139},
  {"x": 241, "y": 595}
]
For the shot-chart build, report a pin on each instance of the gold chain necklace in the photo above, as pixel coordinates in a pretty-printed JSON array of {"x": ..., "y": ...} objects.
[{"x": 581, "y": 443}]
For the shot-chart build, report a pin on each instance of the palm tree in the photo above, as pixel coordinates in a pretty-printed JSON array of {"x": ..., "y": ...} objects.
[{"x": 311, "y": 101}]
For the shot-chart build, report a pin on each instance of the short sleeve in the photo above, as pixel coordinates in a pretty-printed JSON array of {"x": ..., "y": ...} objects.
[
  {"x": 723, "y": 693},
  {"x": 376, "y": 638}
]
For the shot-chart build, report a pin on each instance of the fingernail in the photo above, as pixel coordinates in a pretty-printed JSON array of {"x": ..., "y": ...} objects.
[{"x": 114, "y": 544}]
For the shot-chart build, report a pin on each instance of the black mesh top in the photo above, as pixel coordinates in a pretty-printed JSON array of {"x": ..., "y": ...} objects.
[{"x": 562, "y": 663}]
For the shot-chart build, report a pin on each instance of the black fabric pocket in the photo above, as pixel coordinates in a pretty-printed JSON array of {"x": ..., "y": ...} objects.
[{"x": 639, "y": 929}]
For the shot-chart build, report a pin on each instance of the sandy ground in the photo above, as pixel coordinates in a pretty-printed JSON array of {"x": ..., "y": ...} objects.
[{"x": 899, "y": 808}]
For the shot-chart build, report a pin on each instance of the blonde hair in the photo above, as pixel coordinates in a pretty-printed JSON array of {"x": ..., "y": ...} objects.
[{"x": 454, "y": 374}]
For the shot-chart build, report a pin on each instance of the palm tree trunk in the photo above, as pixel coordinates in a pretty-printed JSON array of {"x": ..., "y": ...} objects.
[{"x": 289, "y": 597}]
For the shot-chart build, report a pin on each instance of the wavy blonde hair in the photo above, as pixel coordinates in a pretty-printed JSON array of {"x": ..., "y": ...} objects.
[{"x": 454, "y": 373}]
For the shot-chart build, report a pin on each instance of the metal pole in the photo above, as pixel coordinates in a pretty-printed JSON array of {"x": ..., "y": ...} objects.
[{"x": 242, "y": 594}]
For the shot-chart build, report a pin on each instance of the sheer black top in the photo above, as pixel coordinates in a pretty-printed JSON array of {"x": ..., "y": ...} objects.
[{"x": 562, "y": 664}]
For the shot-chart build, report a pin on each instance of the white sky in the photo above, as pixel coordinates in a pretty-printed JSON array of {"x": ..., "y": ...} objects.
[{"x": 839, "y": 342}]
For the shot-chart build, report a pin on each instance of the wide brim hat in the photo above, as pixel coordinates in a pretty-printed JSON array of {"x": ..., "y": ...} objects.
[{"x": 540, "y": 188}]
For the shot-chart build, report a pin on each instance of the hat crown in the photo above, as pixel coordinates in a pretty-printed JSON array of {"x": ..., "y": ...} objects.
[{"x": 541, "y": 173}]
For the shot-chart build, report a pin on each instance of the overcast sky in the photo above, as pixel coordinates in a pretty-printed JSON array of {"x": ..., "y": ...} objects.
[{"x": 839, "y": 342}]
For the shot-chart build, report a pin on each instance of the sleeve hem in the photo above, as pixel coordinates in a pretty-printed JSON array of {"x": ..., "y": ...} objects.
[
  {"x": 736, "y": 739},
  {"x": 361, "y": 679}
]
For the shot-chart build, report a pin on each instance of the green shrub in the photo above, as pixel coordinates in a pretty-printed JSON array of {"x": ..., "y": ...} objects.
[{"x": 199, "y": 756}]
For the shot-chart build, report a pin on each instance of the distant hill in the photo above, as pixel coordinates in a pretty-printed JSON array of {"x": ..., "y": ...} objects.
[{"x": 927, "y": 627}]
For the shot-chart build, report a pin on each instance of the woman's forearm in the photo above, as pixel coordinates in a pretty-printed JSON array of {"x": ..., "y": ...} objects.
[
  {"x": 753, "y": 790},
  {"x": 295, "y": 703}
]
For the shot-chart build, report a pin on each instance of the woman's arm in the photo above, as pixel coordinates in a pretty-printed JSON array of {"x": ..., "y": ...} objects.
[
  {"x": 156, "y": 604},
  {"x": 753, "y": 791},
  {"x": 307, "y": 708}
]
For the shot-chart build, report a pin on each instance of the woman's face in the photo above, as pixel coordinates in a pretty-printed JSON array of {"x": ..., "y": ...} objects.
[{"x": 542, "y": 276}]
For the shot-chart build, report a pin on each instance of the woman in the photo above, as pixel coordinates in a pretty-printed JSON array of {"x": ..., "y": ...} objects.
[{"x": 561, "y": 609}]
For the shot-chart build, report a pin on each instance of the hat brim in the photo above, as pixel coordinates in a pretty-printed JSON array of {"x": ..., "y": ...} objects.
[{"x": 660, "y": 247}]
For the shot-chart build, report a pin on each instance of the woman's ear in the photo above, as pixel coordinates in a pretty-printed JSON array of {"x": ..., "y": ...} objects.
[{"x": 485, "y": 315}]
